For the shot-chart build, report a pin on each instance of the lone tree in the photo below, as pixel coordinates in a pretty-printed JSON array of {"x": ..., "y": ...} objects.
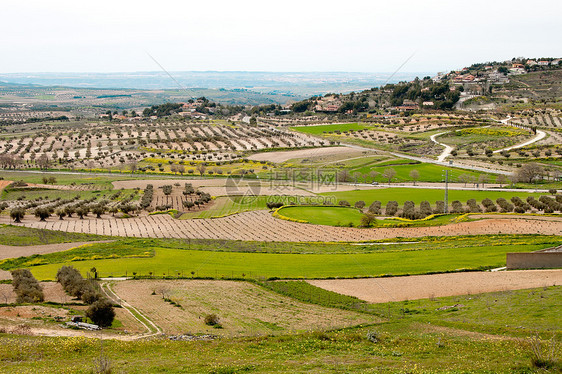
[
  {"x": 389, "y": 174},
  {"x": 368, "y": 219},
  {"x": 415, "y": 175},
  {"x": 17, "y": 214},
  {"x": 201, "y": 168},
  {"x": 101, "y": 313},
  {"x": 529, "y": 172}
]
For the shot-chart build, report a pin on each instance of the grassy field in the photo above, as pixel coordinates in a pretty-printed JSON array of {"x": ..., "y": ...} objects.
[
  {"x": 164, "y": 258},
  {"x": 419, "y": 194},
  {"x": 102, "y": 181},
  {"x": 409, "y": 342},
  {"x": 515, "y": 313},
  {"x": 19, "y": 235},
  {"x": 427, "y": 172},
  {"x": 323, "y": 215},
  {"x": 320, "y": 129},
  {"x": 347, "y": 216}
]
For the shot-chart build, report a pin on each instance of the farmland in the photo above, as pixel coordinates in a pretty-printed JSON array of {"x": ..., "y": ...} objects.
[
  {"x": 250, "y": 236},
  {"x": 161, "y": 259}
]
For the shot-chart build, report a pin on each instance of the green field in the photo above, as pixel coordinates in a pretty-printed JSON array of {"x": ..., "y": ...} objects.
[
  {"x": 348, "y": 216},
  {"x": 320, "y": 129},
  {"x": 515, "y": 313},
  {"x": 427, "y": 172},
  {"x": 170, "y": 258},
  {"x": 416, "y": 338},
  {"x": 323, "y": 215},
  {"x": 21, "y": 236},
  {"x": 419, "y": 194}
]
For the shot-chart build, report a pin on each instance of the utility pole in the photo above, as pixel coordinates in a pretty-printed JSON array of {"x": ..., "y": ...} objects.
[{"x": 446, "y": 208}]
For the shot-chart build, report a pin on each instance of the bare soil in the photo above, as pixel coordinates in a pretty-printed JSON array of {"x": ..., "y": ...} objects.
[
  {"x": 261, "y": 226},
  {"x": 282, "y": 156},
  {"x": 380, "y": 290},
  {"x": 12, "y": 251},
  {"x": 242, "y": 308}
]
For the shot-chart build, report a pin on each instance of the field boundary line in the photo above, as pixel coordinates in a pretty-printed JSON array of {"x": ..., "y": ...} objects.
[{"x": 152, "y": 330}]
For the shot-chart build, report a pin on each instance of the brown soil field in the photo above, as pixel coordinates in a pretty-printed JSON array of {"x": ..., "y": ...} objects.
[
  {"x": 243, "y": 308},
  {"x": 3, "y": 184},
  {"x": 380, "y": 290},
  {"x": 12, "y": 251},
  {"x": 261, "y": 226},
  {"x": 282, "y": 156},
  {"x": 52, "y": 291}
]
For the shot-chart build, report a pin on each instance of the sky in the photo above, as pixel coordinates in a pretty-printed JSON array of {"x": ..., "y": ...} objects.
[{"x": 288, "y": 35}]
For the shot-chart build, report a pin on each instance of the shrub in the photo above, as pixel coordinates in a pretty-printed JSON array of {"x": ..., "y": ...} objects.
[
  {"x": 391, "y": 208},
  {"x": 375, "y": 207},
  {"x": 212, "y": 320},
  {"x": 101, "y": 313},
  {"x": 360, "y": 204},
  {"x": 26, "y": 287},
  {"x": 368, "y": 219},
  {"x": 343, "y": 203}
]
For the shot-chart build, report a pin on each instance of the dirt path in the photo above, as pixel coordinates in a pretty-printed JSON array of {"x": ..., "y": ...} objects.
[
  {"x": 261, "y": 226},
  {"x": 380, "y": 290},
  {"x": 4, "y": 184},
  {"x": 448, "y": 149},
  {"x": 151, "y": 328}
]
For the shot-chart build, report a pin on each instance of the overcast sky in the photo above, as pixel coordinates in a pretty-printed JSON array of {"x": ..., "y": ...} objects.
[{"x": 261, "y": 35}]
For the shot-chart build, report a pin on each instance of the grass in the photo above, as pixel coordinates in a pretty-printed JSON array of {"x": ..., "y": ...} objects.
[
  {"x": 427, "y": 172},
  {"x": 319, "y": 130},
  {"x": 204, "y": 259},
  {"x": 514, "y": 313},
  {"x": 407, "y": 342},
  {"x": 104, "y": 181},
  {"x": 347, "y": 216},
  {"x": 323, "y": 215},
  {"x": 48, "y": 194},
  {"x": 22, "y": 236},
  {"x": 402, "y": 347},
  {"x": 418, "y": 195}
]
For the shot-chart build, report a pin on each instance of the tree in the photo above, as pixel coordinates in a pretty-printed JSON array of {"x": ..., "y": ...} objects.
[
  {"x": 501, "y": 180},
  {"x": 368, "y": 219},
  {"x": 483, "y": 178},
  {"x": 60, "y": 213},
  {"x": 464, "y": 178},
  {"x": 17, "y": 214},
  {"x": 101, "y": 313},
  {"x": 373, "y": 174},
  {"x": 42, "y": 213},
  {"x": 201, "y": 168},
  {"x": 389, "y": 174},
  {"x": 529, "y": 173},
  {"x": 343, "y": 175},
  {"x": 133, "y": 167},
  {"x": 415, "y": 175},
  {"x": 360, "y": 204}
]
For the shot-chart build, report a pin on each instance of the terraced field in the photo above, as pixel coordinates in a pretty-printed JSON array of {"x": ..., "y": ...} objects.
[{"x": 261, "y": 226}]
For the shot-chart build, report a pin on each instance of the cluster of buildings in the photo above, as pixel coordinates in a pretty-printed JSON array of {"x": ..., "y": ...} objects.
[{"x": 328, "y": 104}]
